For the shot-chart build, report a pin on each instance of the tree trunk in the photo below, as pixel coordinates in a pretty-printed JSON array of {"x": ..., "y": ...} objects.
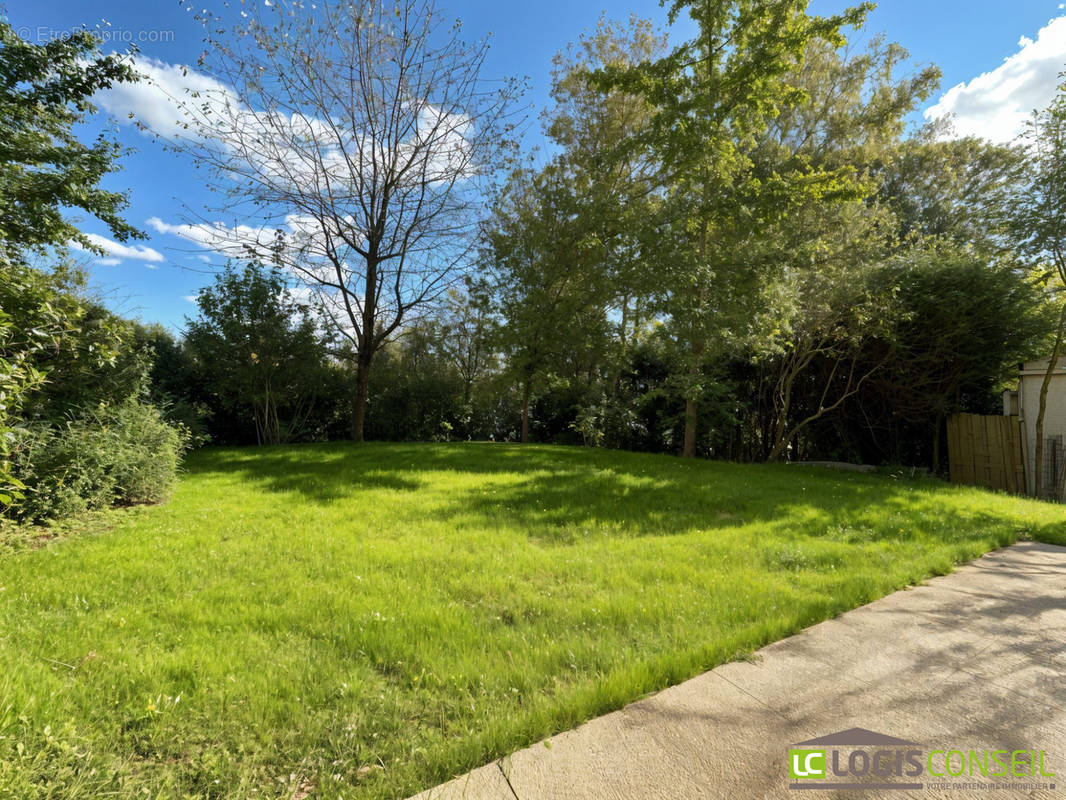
[
  {"x": 936, "y": 443},
  {"x": 779, "y": 448},
  {"x": 270, "y": 423},
  {"x": 615, "y": 380},
  {"x": 1038, "y": 453},
  {"x": 688, "y": 450},
  {"x": 782, "y": 406},
  {"x": 362, "y": 390},
  {"x": 366, "y": 340},
  {"x": 258, "y": 425},
  {"x": 525, "y": 413},
  {"x": 782, "y": 435}
]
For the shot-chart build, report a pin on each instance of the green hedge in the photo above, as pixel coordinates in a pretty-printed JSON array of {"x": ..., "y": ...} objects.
[{"x": 112, "y": 455}]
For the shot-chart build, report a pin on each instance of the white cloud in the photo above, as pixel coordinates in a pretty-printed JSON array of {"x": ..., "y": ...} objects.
[
  {"x": 156, "y": 101},
  {"x": 189, "y": 298},
  {"x": 298, "y": 148},
  {"x": 178, "y": 102},
  {"x": 151, "y": 266},
  {"x": 301, "y": 240},
  {"x": 300, "y": 234},
  {"x": 996, "y": 104},
  {"x": 117, "y": 251},
  {"x": 108, "y": 262},
  {"x": 217, "y": 236}
]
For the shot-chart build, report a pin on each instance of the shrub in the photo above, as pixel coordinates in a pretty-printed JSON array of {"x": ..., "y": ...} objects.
[
  {"x": 147, "y": 452},
  {"x": 113, "y": 455}
]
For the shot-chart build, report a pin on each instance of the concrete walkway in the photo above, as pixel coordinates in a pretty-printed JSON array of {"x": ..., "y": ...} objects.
[{"x": 972, "y": 660}]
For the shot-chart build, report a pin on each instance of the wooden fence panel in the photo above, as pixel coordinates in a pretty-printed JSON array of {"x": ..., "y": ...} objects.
[{"x": 986, "y": 451}]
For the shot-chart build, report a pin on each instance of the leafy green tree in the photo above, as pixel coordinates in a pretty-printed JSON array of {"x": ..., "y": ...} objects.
[
  {"x": 258, "y": 348},
  {"x": 713, "y": 97},
  {"x": 949, "y": 190},
  {"x": 57, "y": 352},
  {"x": 71, "y": 361},
  {"x": 546, "y": 292},
  {"x": 834, "y": 289},
  {"x": 418, "y": 392},
  {"x": 45, "y": 90},
  {"x": 617, "y": 197},
  {"x": 856, "y": 104},
  {"x": 45, "y": 170},
  {"x": 962, "y": 325},
  {"x": 832, "y": 312},
  {"x": 102, "y": 362},
  {"x": 174, "y": 383}
]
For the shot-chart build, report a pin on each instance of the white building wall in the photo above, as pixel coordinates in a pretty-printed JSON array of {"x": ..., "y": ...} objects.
[{"x": 1030, "y": 378}]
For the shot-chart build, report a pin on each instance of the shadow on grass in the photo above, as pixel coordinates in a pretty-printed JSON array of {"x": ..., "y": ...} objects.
[
  {"x": 557, "y": 492},
  {"x": 320, "y": 473}
]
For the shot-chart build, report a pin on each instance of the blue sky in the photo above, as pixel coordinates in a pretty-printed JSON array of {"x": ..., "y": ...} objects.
[{"x": 1000, "y": 59}]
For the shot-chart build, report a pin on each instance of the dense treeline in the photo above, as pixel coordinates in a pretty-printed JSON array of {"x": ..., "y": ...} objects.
[
  {"x": 733, "y": 252},
  {"x": 825, "y": 287},
  {"x": 959, "y": 327}
]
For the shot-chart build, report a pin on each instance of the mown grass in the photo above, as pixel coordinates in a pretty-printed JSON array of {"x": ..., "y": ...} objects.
[{"x": 366, "y": 621}]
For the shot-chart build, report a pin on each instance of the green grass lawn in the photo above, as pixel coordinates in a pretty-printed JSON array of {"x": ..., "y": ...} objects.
[{"x": 367, "y": 621}]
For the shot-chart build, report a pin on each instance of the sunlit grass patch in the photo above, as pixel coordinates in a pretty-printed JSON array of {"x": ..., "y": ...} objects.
[{"x": 366, "y": 621}]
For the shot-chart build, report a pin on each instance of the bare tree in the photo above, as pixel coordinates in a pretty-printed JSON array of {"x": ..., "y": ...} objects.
[
  {"x": 1039, "y": 226},
  {"x": 353, "y": 141}
]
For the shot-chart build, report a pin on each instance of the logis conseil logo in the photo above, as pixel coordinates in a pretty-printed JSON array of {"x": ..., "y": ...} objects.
[
  {"x": 861, "y": 759},
  {"x": 806, "y": 763}
]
